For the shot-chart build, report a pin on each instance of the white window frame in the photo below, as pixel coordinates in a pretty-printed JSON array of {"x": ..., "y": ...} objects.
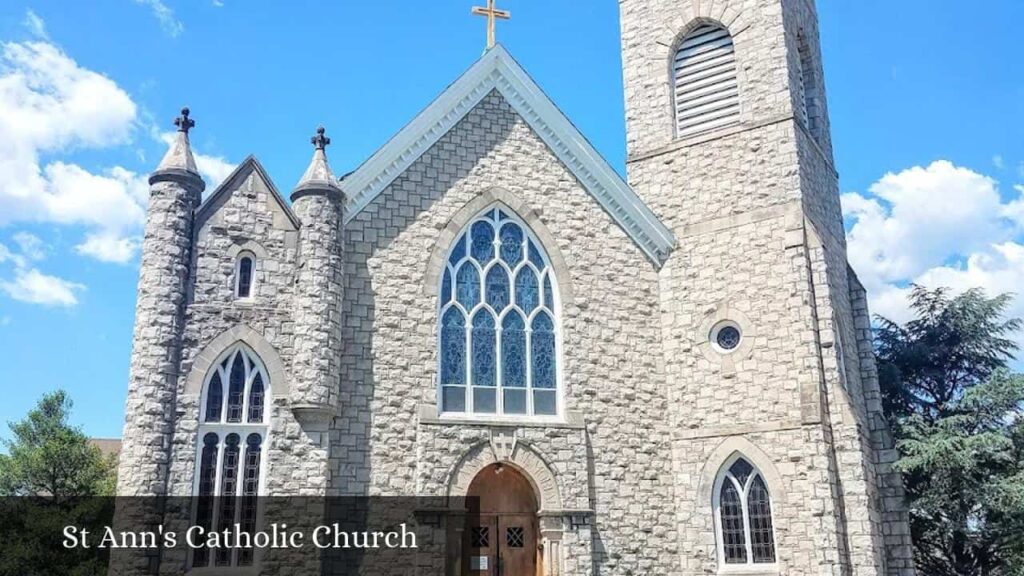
[
  {"x": 238, "y": 276},
  {"x": 222, "y": 429},
  {"x": 553, "y": 312},
  {"x": 749, "y": 567}
]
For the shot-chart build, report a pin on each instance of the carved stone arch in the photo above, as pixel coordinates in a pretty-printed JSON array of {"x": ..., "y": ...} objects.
[
  {"x": 247, "y": 246},
  {"x": 724, "y": 453},
  {"x": 276, "y": 373},
  {"x": 508, "y": 451},
  {"x": 501, "y": 198}
]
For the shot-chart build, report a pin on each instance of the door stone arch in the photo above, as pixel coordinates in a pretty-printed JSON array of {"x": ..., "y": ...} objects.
[{"x": 505, "y": 450}]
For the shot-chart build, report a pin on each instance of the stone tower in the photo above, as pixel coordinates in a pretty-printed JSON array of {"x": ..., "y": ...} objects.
[
  {"x": 175, "y": 192},
  {"x": 319, "y": 205},
  {"x": 766, "y": 329}
]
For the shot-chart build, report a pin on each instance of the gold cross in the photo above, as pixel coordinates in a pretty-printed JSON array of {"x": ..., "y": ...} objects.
[{"x": 492, "y": 13}]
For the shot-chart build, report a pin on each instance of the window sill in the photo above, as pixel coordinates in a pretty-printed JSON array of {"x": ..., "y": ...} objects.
[
  {"x": 429, "y": 416},
  {"x": 749, "y": 570}
]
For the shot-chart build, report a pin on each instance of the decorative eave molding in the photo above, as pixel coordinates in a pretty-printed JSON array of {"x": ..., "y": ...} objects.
[
  {"x": 231, "y": 182},
  {"x": 497, "y": 70}
]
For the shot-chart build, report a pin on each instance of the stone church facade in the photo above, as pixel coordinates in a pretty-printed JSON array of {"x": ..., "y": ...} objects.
[{"x": 678, "y": 367}]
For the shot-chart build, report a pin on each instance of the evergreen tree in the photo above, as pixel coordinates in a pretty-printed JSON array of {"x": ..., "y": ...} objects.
[
  {"x": 47, "y": 456},
  {"x": 957, "y": 415}
]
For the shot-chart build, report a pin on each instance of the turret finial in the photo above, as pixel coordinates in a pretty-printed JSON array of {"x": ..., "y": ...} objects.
[
  {"x": 318, "y": 178},
  {"x": 320, "y": 141},
  {"x": 183, "y": 122}
]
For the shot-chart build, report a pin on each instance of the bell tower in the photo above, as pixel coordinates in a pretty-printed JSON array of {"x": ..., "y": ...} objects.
[{"x": 766, "y": 329}]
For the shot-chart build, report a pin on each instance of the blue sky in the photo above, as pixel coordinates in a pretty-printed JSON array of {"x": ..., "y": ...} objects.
[{"x": 926, "y": 100}]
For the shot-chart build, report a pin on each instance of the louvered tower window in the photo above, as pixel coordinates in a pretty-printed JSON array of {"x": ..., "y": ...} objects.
[{"x": 704, "y": 78}]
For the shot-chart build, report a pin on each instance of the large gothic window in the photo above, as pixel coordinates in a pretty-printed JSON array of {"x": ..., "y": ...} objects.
[
  {"x": 232, "y": 439},
  {"x": 743, "y": 516},
  {"x": 705, "y": 87},
  {"x": 498, "y": 322}
]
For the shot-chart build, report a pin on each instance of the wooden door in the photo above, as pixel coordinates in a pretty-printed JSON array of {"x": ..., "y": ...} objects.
[{"x": 502, "y": 536}]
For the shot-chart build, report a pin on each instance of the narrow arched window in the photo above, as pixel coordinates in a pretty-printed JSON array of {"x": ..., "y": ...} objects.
[
  {"x": 706, "y": 90},
  {"x": 743, "y": 515},
  {"x": 498, "y": 322},
  {"x": 808, "y": 109},
  {"x": 243, "y": 275},
  {"x": 232, "y": 432}
]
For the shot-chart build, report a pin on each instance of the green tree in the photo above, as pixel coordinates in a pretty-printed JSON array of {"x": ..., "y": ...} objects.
[
  {"x": 47, "y": 456},
  {"x": 957, "y": 416}
]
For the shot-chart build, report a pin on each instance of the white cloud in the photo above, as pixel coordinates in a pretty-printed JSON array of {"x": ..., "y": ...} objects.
[
  {"x": 49, "y": 104},
  {"x": 939, "y": 225},
  {"x": 35, "y": 287},
  {"x": 919, "y": 217},
  {"x": 35, "y": 25},
  {"x": 31, "y": 246},
  {"x": 168, "y": 21},
  {"x": 107, "y": 248}
]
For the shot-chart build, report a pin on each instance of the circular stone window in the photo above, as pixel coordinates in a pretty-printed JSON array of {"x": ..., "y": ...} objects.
[{"x": 725, "y": 336}]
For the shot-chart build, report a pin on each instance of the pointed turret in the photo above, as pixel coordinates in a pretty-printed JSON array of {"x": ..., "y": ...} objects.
[
  {"x": 178, "y": 163},
  {"x": 175, "y": 190},
  {"x": 319, "y": 203},
  {"x": 318, "y": 176}
]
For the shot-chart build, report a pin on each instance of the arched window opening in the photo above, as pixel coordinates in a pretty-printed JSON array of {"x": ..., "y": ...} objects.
[
  {"x": 705, "y": 86},
  {"x": 807, "y": 88},
  {"x": 743, "y": 516},
  {"x": 243, "y": 275},
  {"x": 232, "y": 439},
  {"x": 498, "y": 322}
]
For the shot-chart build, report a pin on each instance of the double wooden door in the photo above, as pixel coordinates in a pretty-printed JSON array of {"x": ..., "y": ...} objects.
[
  {"x": 503, "y": 545},
  {"x": 501, "y": 532}
]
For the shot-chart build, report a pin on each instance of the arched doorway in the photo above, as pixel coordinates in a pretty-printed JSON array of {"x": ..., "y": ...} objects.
[{"x": 502, "y": 536}]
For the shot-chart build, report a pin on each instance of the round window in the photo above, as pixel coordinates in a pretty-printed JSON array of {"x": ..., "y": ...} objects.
[{"x": 726, "y": 336}]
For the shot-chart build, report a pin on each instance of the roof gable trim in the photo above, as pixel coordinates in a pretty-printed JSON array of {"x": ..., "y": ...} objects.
[{"x": 498, "y": 70}]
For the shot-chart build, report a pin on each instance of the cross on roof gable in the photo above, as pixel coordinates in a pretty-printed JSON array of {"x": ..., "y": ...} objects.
[{"x": 497, "y": 70}]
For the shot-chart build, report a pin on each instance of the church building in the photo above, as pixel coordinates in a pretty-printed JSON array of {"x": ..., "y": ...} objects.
[{"x": 665, "y": 374}]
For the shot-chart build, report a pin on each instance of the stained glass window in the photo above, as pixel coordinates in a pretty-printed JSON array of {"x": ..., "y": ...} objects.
[
  {"x": 214, "y": 399},
  {"x": 228, "y": 475},
  {"x": 745, "y": 516},
  {"x": 498, "y": 328},
  {"x": 243, "y": 280}
]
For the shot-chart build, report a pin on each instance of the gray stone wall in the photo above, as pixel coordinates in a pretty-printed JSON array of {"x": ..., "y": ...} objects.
[
  {"x": 246, "y": 214},
  {"x": 156, "y": 341},
  {"x": 756, "y": 210},
  {"x": 617, "y": 463}
]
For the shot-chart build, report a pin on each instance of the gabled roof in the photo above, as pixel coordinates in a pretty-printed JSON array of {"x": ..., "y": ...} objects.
[
  {"x": 232, "y": 182},
  {"x": 497, "y": 70}
]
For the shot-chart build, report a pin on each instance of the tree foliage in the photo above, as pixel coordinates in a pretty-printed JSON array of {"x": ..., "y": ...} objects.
[
  {"x": 957, "y": 416},
  {"x": 47, "y": 456}
]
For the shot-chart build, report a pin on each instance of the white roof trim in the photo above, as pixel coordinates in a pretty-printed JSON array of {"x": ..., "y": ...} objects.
[{"x": 497, "y": 70}]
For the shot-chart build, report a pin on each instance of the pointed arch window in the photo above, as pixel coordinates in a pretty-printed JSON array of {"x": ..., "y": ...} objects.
[
  {"x": 233, "y": 427},
  {"x": 743, "y": 516},
  {"x": 498, "y": 322},
  {"x": 705, "y": 86},
  {"x": 245, "y": 267}
]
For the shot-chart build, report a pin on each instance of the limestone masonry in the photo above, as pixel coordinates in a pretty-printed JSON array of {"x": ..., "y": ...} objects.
[{"x": 708, "y": 329}]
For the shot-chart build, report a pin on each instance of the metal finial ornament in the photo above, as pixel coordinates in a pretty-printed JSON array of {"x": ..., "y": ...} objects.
[
  {"x": 320, "y": 141},
  {"x": 183, "y": 122}
]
